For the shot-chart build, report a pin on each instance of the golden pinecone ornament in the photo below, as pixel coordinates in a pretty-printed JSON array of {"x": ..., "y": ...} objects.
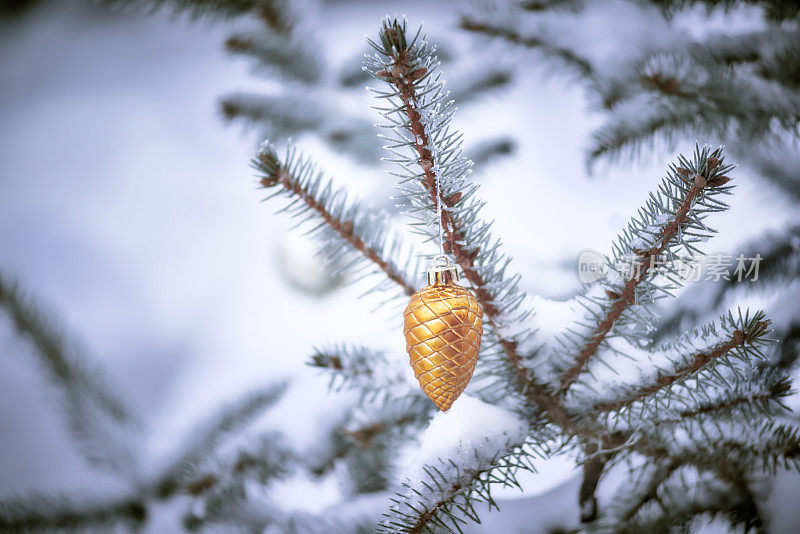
[{"x": 443, "y": 335}]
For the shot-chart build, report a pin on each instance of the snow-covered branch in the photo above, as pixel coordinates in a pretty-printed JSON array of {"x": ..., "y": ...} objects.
[
  {"x": 428, "y": 152},
  {"x": 671, "y": 221},
  {"x": 463, "y": 453},
  {"x": 688, "y": 356}
]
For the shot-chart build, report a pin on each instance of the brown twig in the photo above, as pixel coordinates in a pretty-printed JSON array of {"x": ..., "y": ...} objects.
[
  {"x": 428, "y": 514},
  {"x": 700, "y": 360},
  {"x": 647, "y": 258},
  {"x": 593, "y": 469},
  {"x": 403, "y": 78}
]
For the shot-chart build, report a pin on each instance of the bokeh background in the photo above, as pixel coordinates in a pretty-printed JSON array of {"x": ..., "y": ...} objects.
[{"x": 128, "y": 207}]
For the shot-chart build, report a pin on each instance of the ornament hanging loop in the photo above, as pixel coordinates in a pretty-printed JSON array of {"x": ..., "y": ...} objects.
[{"x": 442, "y": 271}]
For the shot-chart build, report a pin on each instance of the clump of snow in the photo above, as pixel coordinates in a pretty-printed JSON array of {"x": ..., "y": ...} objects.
[
  {"x": 470, "y": 435},
  {"x": 620, "y": 365}
]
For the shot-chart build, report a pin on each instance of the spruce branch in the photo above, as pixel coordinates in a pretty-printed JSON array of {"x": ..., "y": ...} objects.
[
  {"x": 288, "y": 115},
  {"x": 670, "y": 221},
  {"x": 754, "y": 397},
  {"x": 419, "y": 113},
  {"x": 474, "y": 84},
  {"x": 681, "y": 494},
  {"x": 448, "y": 494},
  {"x": 100, "y": 420},
  {"x": 775, "y": 159},
  {"x": 369, "y": 371},
  {"x": 631, "y": 497},
  {"x": 568, "y": 57},
  {"x": 196, "y": 8},
  {"x": 220, "y": 483},
  {"x": 370, "y": 438},
  {"x": 292, "y": 58},
  {"x": 748, "y": 511},
  {"x": 759, "y": 446},
  {"x": 273, "y": 13},
  {"x": 664, "y": 494},
  {"x": 631, "y": 131},
  {"x": 742, "y": 48},
  {"x": 206, "y": 439},
  {"x": 550, "y": 5},
  {"x": 487, "y": 151},
  {"x": 348, "y": 364},
  {"x": 669, "y": 494},
  {"x": 738, "y": 400},
  {"x": 428, "y": 153},
  {"x": 366, "y": 232},
  {"x": 593, "y": 468},
  {"x": 779, "y": 263},
  {"x": 746, "y": 335},
  {"x": 774, "y": 10},
  {"x": 366, "y": 439},
  {"x": 676, "y": 95},
  {"x": 44, "y": 513}
]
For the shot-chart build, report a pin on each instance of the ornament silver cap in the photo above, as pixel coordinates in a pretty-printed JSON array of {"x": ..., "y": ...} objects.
[{"x": 442, "y": 271}]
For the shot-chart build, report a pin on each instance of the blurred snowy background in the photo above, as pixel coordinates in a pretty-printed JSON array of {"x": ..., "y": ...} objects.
[{"x": 129, "y": 208}]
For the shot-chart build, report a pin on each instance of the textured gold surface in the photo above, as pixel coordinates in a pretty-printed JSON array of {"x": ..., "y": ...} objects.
[{"x": 443, "y": 336}]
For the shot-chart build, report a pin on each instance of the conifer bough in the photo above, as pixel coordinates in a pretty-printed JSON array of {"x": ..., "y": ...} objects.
[
  {"x": 689, "y": 385},
  {"x": 698, "y": 418}
]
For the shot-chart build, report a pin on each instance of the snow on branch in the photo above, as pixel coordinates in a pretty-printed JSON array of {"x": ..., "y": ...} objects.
[
  {"x": 101, "y": 421},
  {"x": 743, "y": 337},
  {"x": 370, "y": 243},
  {"x": 756, "y": 396},
  {"x": 678, "y": 95},
  {"x": 643, "y": 267},
  {"x": 666, "y": 495},
  {"x": 462, "y": 454},
  {"x": 641, "y": 488},
  {"x": 760, "y": 445},
  {"x": 425, "y": 147}
]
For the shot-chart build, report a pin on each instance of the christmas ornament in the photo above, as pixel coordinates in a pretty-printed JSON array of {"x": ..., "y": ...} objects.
[{"x": 443, "y": 335}]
